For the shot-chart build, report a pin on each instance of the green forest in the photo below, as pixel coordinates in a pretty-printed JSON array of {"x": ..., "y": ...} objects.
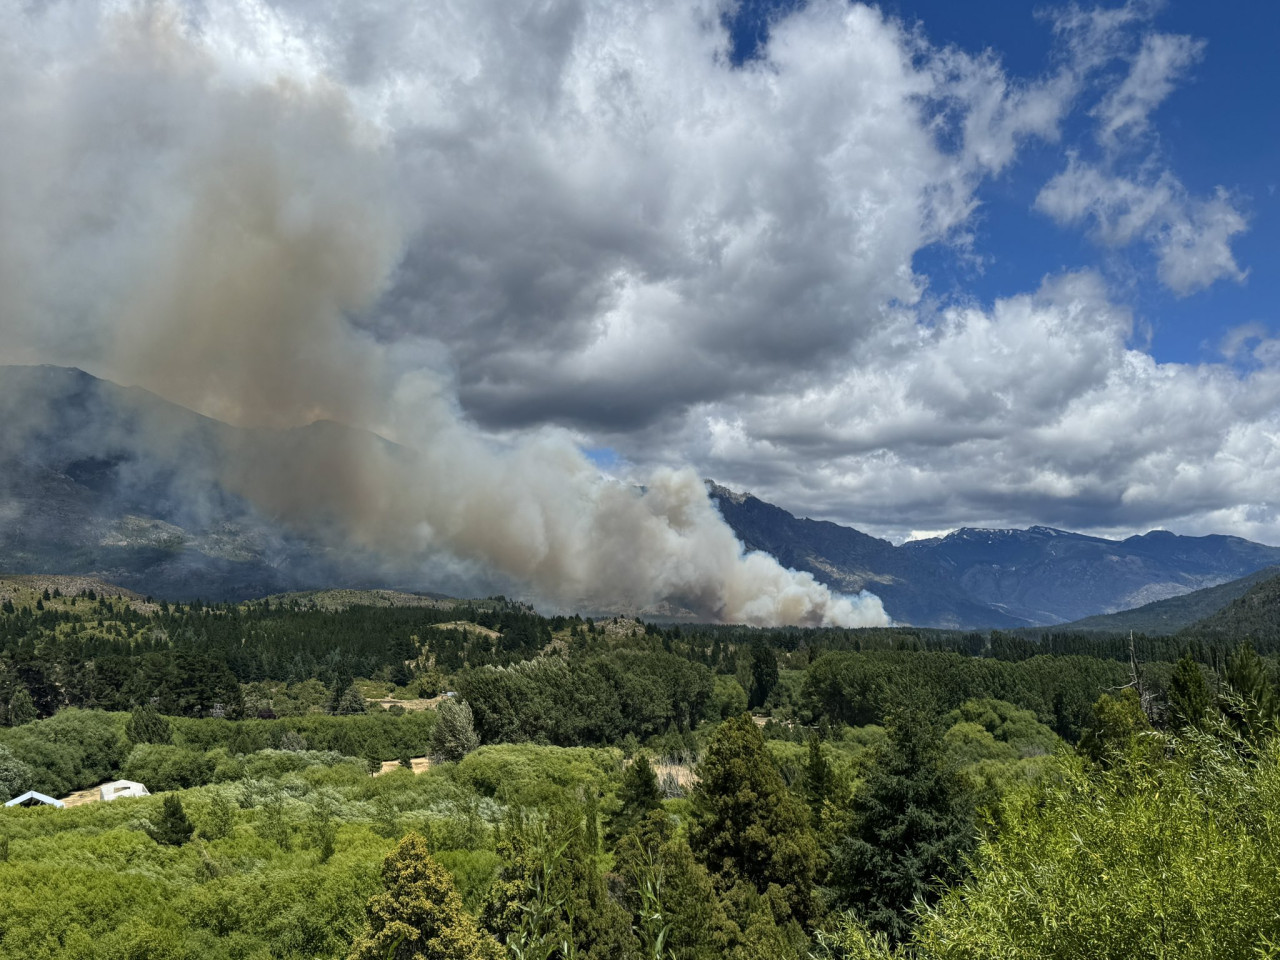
[{"x": 474, "y": 780}]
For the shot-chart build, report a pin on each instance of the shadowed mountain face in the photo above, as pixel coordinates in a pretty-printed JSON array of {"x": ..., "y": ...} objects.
[{"x": 995, "y": 578}]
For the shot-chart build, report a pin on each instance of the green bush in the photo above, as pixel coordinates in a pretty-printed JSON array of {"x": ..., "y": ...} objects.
[
  {"x": 162, "y": 767},
  {"x": 526, "y": 774},
  {"x": 1171, "y": 858},
  {"x": 71, "y": 750}
]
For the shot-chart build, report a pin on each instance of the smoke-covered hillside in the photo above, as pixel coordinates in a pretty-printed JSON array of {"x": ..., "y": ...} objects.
[{"x": 99, "y": 478}]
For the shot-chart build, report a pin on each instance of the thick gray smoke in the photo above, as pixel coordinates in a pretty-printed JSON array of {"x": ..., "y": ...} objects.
[{"x": 203, "y": 225}]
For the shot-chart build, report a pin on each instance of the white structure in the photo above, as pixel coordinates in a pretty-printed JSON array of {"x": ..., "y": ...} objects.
[
  {"x": 122, "y": 788},
  {"x": 33, "y": 799}
]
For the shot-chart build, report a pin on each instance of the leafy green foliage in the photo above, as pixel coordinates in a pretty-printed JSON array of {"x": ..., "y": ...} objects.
[
  {"x": 550, "y": 900},
  {"x": 1173, "y": 859},
  {"x": 1255, "y": 708},
  {"x": 1118, "y": 728},
  {"x": 680, "y": 914},
  {"x": 863, "y": 688},
  {"x": 220, "y": 818},
  {"x": 292, "y": 828},
  {"x": 527, "y": 775},
  {"x": 14, "y": 775},
  {"x": 1189, "y": 694},
  {"x": 596, "y": 700},
  {"x": 22, "y": 708},
  {"x": 69, "y": 751}
]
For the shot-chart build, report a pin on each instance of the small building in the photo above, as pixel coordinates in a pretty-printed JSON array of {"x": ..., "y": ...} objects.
[
  {"x": 33, "y": 799},
  {"x": 122, "y": 788}
]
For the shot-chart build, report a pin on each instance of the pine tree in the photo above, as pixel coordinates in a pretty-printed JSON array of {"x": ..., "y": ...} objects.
[
  {"x": 1189, "y": 696},
  {"x": 746, "y": 824},
  {"x": 146, "y": 725},
  {"x": 22, "y": 708},
  {"x": 911, "y": 824},
  {"x": 173, "y": 828},
  {"x": 1254, "y": 709},
  {"x": 350, "y": 702},
  {"x": 419, "y": 915},
  {"x": 638, "y": 795},
  {"x": 818, "y": 782}
]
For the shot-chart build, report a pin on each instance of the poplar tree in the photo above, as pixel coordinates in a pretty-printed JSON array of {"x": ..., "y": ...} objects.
[{"x": 455, "y": 734}]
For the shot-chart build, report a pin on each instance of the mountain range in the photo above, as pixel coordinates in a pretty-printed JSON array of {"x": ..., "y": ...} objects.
[
  {"x": 116, "y": 482},
  {"x": 978, "y": 578}
]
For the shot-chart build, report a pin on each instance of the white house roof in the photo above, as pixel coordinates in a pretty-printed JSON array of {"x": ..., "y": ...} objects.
[
  {"x": 33, "y": 799},
  {"x": 122, "y": 788}
]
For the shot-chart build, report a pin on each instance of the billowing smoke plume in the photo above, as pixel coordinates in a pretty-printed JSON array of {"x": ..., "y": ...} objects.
[{"x": 204, "y": 224}]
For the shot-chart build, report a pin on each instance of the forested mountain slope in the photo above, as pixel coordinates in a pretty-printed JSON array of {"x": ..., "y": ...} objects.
[
  {"x": 1254, "y": 616},
  {"x": 1166, "y": 617}
]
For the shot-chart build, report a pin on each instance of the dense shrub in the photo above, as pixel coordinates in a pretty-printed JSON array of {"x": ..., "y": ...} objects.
[
  {"x": 862, "y": 688},
  {"x": 69, "y": 751},
  {"x": 596, "y": 700},
  {"x": 528, "y": 774},
  {"x": 1172, "y": 858},
  {"x": 377, "y": 735}
]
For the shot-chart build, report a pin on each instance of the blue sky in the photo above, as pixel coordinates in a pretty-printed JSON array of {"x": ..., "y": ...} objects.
[{"x": 1218, "y": 128}]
